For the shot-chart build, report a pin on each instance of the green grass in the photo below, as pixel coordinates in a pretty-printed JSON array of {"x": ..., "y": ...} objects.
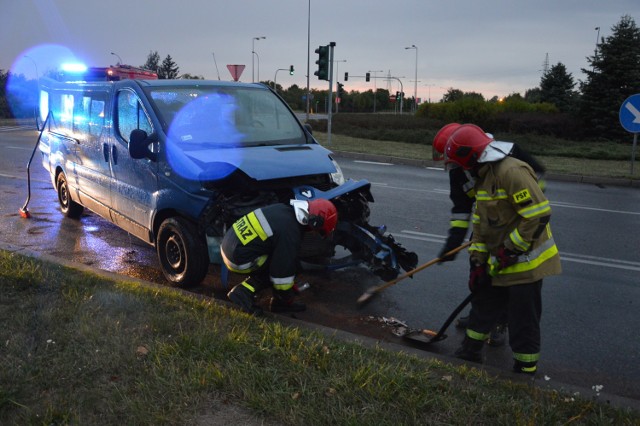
[
  {"x": 78, "y": 348},
  {"x": 572, "y": 158}
]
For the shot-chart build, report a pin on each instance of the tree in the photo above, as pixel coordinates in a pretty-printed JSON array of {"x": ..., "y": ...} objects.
[
  {"x": 168, "y": 70},
  {"x": 153, "y": 61},
  {"x": 187, "y": 76},
  {"x": 533, "y": 95},
  {"x": 556, "y": 87},
  {"x": 452, "y": 95},
  {"x": 614, "y": 76}
]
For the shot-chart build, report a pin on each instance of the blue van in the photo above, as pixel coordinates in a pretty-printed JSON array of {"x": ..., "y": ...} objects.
[{"x": 175, "y": 162}]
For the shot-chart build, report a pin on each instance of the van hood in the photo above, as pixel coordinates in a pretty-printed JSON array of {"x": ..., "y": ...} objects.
[{"x": 262, "y": 162}]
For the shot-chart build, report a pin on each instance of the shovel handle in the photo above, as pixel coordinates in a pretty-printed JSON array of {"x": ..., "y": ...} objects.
[{"x": 421, "y": 267}]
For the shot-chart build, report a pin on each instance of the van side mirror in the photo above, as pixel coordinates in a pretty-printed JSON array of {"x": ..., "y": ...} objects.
[
  {"x": 307, "y": 126},
  {"x": 139, "y": 143}
]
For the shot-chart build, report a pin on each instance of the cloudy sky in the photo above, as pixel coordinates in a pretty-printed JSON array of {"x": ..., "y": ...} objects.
[{"x": 494, "y": 47}]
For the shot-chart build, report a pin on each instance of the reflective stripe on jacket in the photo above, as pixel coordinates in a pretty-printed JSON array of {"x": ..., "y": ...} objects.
[
  {"x": 269, "y": 234},
  {"x": 512, "y": 211}
]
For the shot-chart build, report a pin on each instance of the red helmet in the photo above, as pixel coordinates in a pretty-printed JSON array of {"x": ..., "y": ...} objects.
[
  {"x": 323, "y": 216},
  {"x": 441, "y": 139},
  {"x": 465, "y": 146}
]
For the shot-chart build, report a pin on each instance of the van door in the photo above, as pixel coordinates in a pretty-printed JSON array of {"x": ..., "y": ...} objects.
[
  {"x": 92, "y": 168},
  {"x": 134, "y": 182}
]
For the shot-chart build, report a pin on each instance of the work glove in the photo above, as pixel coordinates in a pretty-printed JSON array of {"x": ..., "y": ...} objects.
[
  {"x": 478, "y": 277},
  {"x": 455, "y": 240},
  {"x": 506, "y": 257}
]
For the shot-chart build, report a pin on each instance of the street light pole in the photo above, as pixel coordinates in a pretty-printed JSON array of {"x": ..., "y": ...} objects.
[
  {"x": 375, "y": 87},
  {"x": 275, "y": 77},
  {"x": 119, "y": 58},
  {"x": 308, "y": 55},
  {"x": 415, "y": 87},
  {"x": 253, "y": 52}
]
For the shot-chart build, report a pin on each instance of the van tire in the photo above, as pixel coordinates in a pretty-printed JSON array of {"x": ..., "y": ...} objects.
[
  {"x": 69, "y": 208},
  {"x": 183, "y": 255}
]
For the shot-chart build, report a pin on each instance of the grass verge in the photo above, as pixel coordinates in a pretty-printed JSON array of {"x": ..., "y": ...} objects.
[
  {"x": 78, "y": 348},
  {"x": 560, "y": 164}
]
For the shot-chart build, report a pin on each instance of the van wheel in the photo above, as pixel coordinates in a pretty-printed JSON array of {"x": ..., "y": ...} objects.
[
  {"x": 69, "y": 208},
  {"x": 183, "y": 255}
]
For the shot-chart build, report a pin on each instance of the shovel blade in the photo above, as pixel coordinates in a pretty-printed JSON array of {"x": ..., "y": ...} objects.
[{"x": 424, "y": 336}]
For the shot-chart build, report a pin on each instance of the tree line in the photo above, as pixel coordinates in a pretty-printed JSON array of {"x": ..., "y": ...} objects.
[{"x": 560, "y": 105}]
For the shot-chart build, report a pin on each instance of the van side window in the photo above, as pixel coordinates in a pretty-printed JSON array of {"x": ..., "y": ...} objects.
[
  {"x": 88, "y": 115},
  {"x": 131, "y": 115}
]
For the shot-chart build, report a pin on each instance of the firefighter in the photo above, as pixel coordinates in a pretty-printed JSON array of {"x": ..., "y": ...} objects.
[
  {"x": 512, "y": 246},
  {"x": 265, "y": 244},
  {"x": 462, "y": 196}
]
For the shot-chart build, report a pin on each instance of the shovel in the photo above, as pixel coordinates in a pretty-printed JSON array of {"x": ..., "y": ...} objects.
[
  {"x": 430, "y": 336},
  {"x": 370, "y": 293}
]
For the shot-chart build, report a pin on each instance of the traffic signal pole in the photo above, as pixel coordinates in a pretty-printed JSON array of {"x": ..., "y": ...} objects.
[{"x": 325, "y": 72}]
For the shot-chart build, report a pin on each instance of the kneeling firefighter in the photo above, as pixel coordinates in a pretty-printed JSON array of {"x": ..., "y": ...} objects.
[{"x": 265, "y": 244}]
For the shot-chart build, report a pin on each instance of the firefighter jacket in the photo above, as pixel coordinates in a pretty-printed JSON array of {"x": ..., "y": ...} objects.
[
  {"x": 462, "y": 192},
  {"x": 512, "y": 211},
  {"x": 269, "y": 235}
]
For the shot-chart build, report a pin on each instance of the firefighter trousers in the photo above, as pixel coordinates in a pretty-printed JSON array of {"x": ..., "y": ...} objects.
[{"x": 523, "y": 303}]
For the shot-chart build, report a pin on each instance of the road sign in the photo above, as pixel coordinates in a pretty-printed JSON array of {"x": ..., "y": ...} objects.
[
  {"x": 236, "y": 71},
  {"x": 630, "y": 114}
]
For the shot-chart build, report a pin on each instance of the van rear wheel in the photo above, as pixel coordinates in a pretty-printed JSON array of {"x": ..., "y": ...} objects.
[
  {"x": 69, "y": 208},
  {"x": 183, "y": 255}
]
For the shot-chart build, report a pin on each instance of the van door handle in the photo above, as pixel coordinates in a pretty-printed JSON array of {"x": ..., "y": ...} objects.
[{"x": 105, "y": 152}]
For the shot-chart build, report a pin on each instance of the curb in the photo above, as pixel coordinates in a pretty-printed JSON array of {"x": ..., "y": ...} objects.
[
  {"x": 592, "y": 180},
  {"x": 346, "y": 336}
]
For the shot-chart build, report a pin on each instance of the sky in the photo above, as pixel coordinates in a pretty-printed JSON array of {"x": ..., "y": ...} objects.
[{"x": 492, "y": 47}]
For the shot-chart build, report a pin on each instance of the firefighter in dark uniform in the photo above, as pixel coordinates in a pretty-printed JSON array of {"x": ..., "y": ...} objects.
[
  {"x": 462, "y": 195},
  {"x": 265, "y": 244},
  {"x": 512, "y": 247}
]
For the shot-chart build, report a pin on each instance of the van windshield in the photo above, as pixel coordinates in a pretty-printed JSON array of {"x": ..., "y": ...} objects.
[{"x": 224, "y": 116}]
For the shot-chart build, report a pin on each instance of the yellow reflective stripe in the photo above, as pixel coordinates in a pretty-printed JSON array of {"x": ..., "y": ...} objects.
[
  {"x": 481, "y": 247},
  {"x": 518, "y": 241},
  {"x": 477, "y": 336},
  {"x": 245, "y": 268},
  {"x": 248, "y": 286},
  {"x": 257, "y": 224},
  {"x": 471, "y": 193},
  {"x": 475, "y": 219},
  {"x": 526, "y": 357},
  {"x": 459, "y": 224},
  {"x": 526, "y": 262},
  {"x": 282, "y": 283},
  {"x": 500, "y": 194},
  {"x": 535, "y": 210}
]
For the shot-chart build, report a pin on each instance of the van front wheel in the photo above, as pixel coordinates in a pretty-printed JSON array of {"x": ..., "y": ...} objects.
[{"x": 182, "y": 253}]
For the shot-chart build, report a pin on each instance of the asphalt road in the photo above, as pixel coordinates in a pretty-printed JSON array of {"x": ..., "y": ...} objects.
[{"x": 590, "y": 312}]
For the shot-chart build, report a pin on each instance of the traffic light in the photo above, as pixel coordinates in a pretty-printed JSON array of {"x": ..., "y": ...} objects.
[
  {"x": 340, "y": 90},
  {"x": 290, "y": 69},
  {"x": 323, "y": 63},
  {"x": 346, "y": 76},
  {"x": 367, "y": 77}
]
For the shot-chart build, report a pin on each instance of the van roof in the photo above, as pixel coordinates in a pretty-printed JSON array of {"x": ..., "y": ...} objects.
[{"x": 194, "y": 82}]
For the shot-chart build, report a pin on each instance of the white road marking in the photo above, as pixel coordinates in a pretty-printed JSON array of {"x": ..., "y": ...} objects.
[{"x": 564, "y": 256}]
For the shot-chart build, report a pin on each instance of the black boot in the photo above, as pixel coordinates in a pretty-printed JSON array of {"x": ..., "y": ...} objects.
[
  {"x": 244, "y": 297},
  {"x": 498, "y": 335},
  {"x": 462, "y": 322},
  {"x": 284, "y": 301},
  {"x": 470, "y": 350}
]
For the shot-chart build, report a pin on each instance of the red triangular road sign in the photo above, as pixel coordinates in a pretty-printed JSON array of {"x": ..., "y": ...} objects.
[{"x": 236, "y": 71}]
